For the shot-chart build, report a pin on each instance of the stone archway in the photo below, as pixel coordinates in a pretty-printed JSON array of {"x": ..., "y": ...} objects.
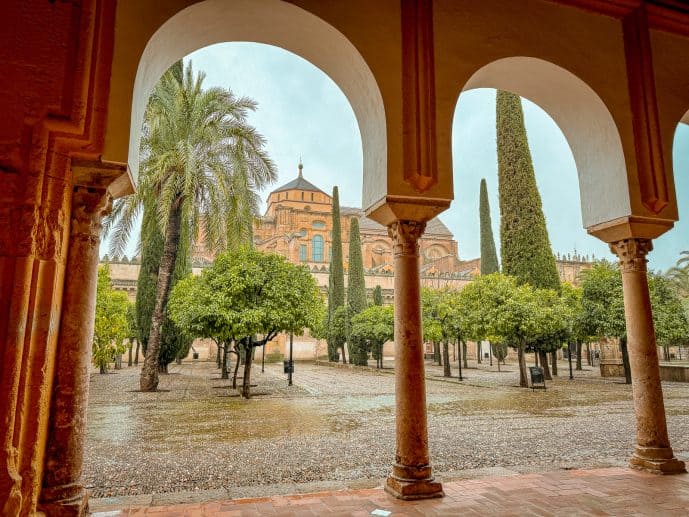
[
  {"x": 585, "y": 122},
  {"x": 271, "y": 22}
]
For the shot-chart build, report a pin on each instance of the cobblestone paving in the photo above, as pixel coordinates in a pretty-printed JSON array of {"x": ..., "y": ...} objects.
[{"x": 336, "y": 425}]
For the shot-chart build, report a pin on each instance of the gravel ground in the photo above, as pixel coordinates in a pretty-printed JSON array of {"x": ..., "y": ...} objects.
[{"x": 337, "y": 424}]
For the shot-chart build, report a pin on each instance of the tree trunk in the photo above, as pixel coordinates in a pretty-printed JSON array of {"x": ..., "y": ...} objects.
[
  {"x": 579, "y": 347},
  {"x": 490, "y": 355},
  {"x": 553, "y": 357},
  {"x": 136, "y": 355},
  {"x": 236, "y": 369},
  {"x": 436, "y": 354},
  {"x": 446, "y": 359},
  {"x": 129, "y": 358},
  {"x": 103, "y": 369},
  {"x": 464, "y": 354},
  {"x": 588, "y": 354},
  {"x": 178, "y": 360},
  {"x": 454, "y": 351},
  {"x": 118, "y": 362},
  {"x": 625, "y": 360},
  {"x": 246, "y": 386},
  {"x": 459, "y": 358},
  {"x": 149, "y": 372},
  {"x": 543, "y": 356},
  {"x": 225, "y": 352},
  {"x": 218, "y": 358},
  {"x": 523, "y": 381},
  {"x": 479, "y": 359},
  {"x": 344, "y": 356},
  {"x": 535, "y": 358}
]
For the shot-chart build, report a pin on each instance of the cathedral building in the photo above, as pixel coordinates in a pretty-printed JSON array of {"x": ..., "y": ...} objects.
[{"x": 297, "y": 224}]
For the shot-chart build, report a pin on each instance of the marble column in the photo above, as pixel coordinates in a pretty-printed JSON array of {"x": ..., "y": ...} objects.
[
  {"x": 653, "y": 452},
  {"x": 411, "y": 476},
  {"x": 62, "y": 494}
]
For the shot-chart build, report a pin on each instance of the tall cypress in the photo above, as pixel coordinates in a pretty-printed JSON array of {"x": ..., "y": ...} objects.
[
  {"x": 336, "y": 295},
  {"x": 489, "y": 257},
  {"x": 377, "y": 295},
  {"x": 525, "y": 246},
  {"x": 356, "y": 290}
]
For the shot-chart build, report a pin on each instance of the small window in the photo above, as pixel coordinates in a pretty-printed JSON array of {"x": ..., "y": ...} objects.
[
  {"x": 319, "y": 225},
  {"x": 302, "y": 252},
  {"x": 311, "y": 196},
  {"x": 286, "y": 195},
  {"x": 302, "y": 196},
  {"x": 317, "y": 248}
]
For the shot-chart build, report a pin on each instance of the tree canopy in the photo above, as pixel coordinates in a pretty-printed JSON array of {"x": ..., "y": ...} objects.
[{"x": 111, "y": 325}]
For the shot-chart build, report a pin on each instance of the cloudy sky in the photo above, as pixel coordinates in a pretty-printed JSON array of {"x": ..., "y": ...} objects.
[{"x": 303, "y": 113}]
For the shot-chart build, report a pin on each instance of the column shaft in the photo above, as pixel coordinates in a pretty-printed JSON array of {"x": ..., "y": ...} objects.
[
  {"x": 411, "y": 476},
  {"x": 62, "y": 495},
  {"x": 653, "y": 451}
]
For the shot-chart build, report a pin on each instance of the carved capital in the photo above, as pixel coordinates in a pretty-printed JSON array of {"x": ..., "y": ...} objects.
[
  {"x": 89, "y": 206},
  {"x": 632, "y": 253},
  {"x": 405, "y": 236}
]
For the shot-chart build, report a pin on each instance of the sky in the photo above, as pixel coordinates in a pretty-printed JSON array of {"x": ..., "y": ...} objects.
[{"x": 303, "y": 113}]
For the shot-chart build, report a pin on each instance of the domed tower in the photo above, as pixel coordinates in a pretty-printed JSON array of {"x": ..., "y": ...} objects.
[{"x": 299, "y": 194}]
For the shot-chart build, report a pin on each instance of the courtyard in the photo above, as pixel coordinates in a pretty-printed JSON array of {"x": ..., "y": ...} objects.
[{"x": 196, "y": 441}]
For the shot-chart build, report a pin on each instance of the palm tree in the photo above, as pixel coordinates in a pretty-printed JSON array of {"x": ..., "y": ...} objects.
[
  {"x": 202, "y": 165},
  {"x": 679, "y": 274}
]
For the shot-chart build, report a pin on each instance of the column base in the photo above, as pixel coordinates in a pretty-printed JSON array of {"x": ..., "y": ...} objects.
[
  {"x": 411, "y": 483},
  {"x": 656, "y": 461},
  {"x": 64, "y": 501}
]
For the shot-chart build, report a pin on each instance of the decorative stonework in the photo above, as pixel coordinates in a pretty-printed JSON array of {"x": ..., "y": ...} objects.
[
  {"x": 632, "y": 253},
  {"x": 418, "y": 95},
  {"x": 405, "y": 236},
  {"x": 89, "y": 206},
  {"x": 642, "y": 94}
]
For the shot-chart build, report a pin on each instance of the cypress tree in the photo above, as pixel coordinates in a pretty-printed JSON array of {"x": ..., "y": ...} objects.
[
  {"x": 377, "y": 295},
  {"x": 356, "y": 291},
  {"x": 489, "y": 257},
  {"x": 525, "y": 246},
  {"x": 337, "y": 291}
]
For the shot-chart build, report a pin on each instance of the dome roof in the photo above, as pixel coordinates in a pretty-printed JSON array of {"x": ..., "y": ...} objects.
[{"x": 299, "y": 183}]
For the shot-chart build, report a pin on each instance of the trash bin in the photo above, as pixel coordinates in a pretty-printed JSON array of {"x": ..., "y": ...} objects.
[
  {"x": 288, "y": 366},
  {"x": 537, "y": 377}
]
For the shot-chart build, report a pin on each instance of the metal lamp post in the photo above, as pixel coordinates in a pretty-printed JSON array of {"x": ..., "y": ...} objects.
[{"x": 291, "y": 364}]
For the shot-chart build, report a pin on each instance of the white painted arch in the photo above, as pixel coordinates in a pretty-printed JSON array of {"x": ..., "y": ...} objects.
[
  {"x": 272, "y": 22},
  {"x": 585, "y": 121}
]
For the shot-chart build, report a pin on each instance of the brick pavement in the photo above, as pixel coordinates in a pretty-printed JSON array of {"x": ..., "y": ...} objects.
[{"x": 610, "y": 491}]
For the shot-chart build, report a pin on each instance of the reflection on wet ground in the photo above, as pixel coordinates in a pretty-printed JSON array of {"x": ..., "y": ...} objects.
[{"x": 338, "y": 424}]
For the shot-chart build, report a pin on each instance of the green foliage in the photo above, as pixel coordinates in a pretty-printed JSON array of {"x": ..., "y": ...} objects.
[
  {"x": 173, "y": 342},
  {"x": 246, "y": 293},
  {"x": 356, "y": 292},
  {"x": 525, "y": 246},
  {"x": 377, "y": 295},
  {"x": 111, "y": 325},
  {"x": 489, "y": 256},
  {"x": 497, "y": 308},
  {"x": 336, "y": 290},
  {"x": 602, "y": 301},
  {"x": 373, "y": 327},
  {"x": 669, "y": 319}
]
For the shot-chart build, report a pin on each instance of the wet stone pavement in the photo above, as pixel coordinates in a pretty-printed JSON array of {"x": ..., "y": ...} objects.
[{"x": 334, "y": 429}]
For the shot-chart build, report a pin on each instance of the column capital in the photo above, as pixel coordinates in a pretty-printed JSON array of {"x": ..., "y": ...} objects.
[
  {"x": 89, "y": 206},
  {"x": 405, "y": 236},
  {"x": 632, "y": 253}
]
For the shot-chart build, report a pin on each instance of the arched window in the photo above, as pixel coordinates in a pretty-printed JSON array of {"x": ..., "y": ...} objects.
[
  {"x": 317, "y": 249},
  {"x": 318, "y": 225}
]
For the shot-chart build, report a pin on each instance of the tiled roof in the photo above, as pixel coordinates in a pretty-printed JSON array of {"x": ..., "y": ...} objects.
[
  {"x": 434, "y": 227},
  {"x": 299, "y": 183}
]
